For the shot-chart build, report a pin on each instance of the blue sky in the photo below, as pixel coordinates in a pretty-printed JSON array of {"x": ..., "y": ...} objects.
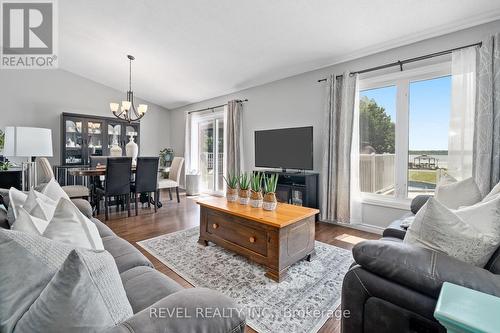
[{"x": 430, "y": 103}]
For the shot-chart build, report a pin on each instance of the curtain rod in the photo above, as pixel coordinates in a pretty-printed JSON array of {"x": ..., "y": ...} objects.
[
  {"x": 400, "y": 63},
  {"x": 217, "y": 106}
]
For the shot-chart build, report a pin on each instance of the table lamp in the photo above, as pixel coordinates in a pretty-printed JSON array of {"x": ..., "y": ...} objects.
[{"x": 28, "y": 142}]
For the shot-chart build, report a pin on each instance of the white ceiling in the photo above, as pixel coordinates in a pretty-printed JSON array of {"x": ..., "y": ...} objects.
[{"x": 188, "y": 51}]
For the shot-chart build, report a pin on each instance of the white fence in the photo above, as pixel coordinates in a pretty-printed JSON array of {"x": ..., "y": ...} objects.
[{"x": 376, "y": 172}]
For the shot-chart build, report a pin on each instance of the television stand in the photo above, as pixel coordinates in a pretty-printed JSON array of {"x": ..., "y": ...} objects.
[
  {"x": 285, "y": 171},
  {"x": 297, "y": 187}
]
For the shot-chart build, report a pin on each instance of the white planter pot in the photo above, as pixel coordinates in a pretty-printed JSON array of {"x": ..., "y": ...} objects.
[{"x": 193, "y": 184}]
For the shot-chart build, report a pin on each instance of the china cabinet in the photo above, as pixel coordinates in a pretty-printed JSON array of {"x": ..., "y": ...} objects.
[{"x": 84, "y": 136}]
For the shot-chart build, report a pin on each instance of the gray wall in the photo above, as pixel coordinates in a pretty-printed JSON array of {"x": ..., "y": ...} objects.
[
  {"x": 38, "y": 97},
  {"x": 299, "y": 101}
]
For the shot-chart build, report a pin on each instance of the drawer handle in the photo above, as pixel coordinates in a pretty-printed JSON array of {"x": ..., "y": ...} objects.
[
  {"x": 251, "y": 239},
  {"x": 215, "y": 225}
]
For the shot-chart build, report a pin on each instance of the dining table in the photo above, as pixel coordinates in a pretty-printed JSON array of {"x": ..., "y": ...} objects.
[{"x": 93, "y": 174}]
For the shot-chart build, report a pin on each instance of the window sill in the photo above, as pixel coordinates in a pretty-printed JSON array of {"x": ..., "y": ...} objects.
[{"x": 377, "y": 200}]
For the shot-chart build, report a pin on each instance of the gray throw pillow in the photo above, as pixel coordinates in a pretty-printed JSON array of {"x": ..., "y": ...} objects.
[
  {"x": 33, "y": 279},
  {"x": 28, "y": 263},
  {"x": 85, "y": 295}
]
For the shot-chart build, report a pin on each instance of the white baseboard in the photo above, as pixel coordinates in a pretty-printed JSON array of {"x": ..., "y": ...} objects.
[{"x": 360, "y": 226}]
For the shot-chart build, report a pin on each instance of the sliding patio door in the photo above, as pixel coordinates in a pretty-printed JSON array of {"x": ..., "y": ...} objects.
[{"x": 207, "y": 150}]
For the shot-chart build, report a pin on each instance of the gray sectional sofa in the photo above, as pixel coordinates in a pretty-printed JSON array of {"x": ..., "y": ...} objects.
[{"x": 150, "y": 291}]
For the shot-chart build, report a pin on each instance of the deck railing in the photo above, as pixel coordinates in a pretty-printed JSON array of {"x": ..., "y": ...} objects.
[
  {"x": 376, "y": 172},
  {"x": 208, "y": 158}
]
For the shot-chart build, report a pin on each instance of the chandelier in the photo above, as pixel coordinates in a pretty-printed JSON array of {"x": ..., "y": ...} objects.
[{"x": 127, "y": 110}]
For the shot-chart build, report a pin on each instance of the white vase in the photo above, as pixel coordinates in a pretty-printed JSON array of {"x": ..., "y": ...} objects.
[{"x": 132, "y": 149}]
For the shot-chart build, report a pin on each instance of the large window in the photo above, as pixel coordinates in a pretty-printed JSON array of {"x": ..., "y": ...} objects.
[
  {"x": 404, "y": 129},
  {"x": 429, "y": 122},
  {"x": 377, "y": 113}
]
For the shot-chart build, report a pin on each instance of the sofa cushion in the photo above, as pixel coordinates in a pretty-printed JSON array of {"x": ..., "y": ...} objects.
[
  {"x": 145, "y": 286},
  {"x": 125, "y": 254},
  {"x": 418, "y": 202},
  {"x": 395, "y": 229},
  {"x": 85, "y": 295}
]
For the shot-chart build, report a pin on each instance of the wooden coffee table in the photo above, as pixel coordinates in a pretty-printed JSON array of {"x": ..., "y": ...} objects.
[{"x": 274, "y": 239}]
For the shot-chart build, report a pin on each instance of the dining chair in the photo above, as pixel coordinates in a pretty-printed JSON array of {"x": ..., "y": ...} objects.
[
  {"x": 174, "y": 177},
  {"x": 46, "y": 173},
  {"x": 146, "y": 180},
  {"x": 117, "y": 182}
]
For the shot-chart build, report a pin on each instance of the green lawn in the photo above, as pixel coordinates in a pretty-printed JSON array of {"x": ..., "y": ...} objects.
[{"x": 427, "y": 176}]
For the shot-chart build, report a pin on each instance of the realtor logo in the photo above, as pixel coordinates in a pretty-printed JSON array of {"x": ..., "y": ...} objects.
[{"x": 28, "y": 34}]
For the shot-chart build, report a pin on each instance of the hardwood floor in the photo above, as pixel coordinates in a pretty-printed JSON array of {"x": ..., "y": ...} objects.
[{"x": 175, "y": 216}]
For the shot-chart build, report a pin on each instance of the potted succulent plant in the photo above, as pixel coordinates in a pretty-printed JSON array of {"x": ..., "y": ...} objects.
[
  {"x": 270, "y": 182},
  {"x": 256, "y": 192},
  {"x": 4, "y": 166},
  {"x": 244, "y": 192},
  {"x": 232, "y": 187}
]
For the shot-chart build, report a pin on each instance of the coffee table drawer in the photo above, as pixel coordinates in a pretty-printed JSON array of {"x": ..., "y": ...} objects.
[{"x": 230, "y": 230}]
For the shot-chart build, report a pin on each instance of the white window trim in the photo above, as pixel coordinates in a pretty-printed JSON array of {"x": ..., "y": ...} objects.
[
  {"x": 211, "y": 115},
  {"x": 402, "y": 82}
]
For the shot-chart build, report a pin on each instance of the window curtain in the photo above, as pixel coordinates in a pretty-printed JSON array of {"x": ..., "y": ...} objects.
[
  {"x": 335, "y": 198},
  {"x": 463, "y": 106},
  {"x": 187, "y": 144},
  {"x": 486, "y": 167},
  {"x": 233, "y": 121}
]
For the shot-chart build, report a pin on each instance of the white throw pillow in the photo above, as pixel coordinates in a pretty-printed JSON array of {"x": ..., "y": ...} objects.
[
  {"x": 438, "y": 228},
  {"x": 39, "y": 205},
  {"x": 495, "y": 192},
  {"x": 16, "y": 200},
  {"x": 29, "y": 224},
  {"x": 54, "y": 191},
  {"x": 458, "y": 194},
  {"x": 484, "y": 216},
  {"x": 69, "y": 225}
]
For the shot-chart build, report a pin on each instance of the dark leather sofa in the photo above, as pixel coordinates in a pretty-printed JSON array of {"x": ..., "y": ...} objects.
[{"x": 394, "y": 287}]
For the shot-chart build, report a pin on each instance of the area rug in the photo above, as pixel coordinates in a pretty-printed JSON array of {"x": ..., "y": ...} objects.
[{"x": 303, "y": 302}]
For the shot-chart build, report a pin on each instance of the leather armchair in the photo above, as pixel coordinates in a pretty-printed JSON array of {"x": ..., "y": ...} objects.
[{"x": 394, "y": 287}]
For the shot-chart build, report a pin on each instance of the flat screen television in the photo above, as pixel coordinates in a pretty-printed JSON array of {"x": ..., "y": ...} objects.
[{"x": 286, "y": 148}]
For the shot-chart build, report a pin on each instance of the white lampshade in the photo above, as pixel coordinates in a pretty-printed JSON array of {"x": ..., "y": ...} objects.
[
  {"x": 142, "y": 108},
  {"x": 27, "y": 142},
  {"x": 126, "y": 105},
  {"x": 114, "y": 106}
]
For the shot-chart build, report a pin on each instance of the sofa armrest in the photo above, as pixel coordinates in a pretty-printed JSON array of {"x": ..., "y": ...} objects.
[
  {"x": 84, "y": 207},
  {"x": 422, "y": 269},
  {"x": 418, "y": 202},
  {"x": 189, "y": 310}
]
